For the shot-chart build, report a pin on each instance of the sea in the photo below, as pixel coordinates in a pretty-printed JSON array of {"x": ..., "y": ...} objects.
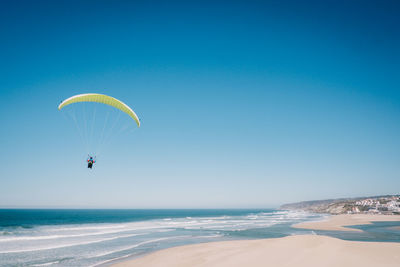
[{"x": 62, "y": 237}]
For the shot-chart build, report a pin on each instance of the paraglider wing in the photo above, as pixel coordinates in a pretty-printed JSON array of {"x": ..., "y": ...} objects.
[{"x": 99, "y": 98}]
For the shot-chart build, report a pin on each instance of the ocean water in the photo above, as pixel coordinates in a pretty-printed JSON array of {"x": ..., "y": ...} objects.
[
  {"x": 101, "y": 237},
  {"x": 98, "y": 237}
]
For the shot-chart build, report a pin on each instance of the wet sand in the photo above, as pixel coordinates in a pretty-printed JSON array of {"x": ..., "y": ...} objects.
[{"x": 338, "y": 222}]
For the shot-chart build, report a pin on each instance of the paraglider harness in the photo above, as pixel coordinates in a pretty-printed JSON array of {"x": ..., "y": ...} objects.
[{"x": 91, "y": 161}]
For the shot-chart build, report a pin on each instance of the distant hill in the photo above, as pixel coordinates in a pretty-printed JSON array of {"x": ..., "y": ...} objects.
[{"x": 388, "y": 204}]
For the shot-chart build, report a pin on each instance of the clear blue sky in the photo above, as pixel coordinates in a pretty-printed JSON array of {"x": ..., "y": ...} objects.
[{"x": 243, "y": 103}]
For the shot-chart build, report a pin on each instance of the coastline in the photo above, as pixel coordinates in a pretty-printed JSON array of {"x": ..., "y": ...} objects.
[{"x": 298, "y": 250}]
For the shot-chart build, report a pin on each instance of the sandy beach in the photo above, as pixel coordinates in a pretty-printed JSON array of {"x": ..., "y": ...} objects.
[
  {"x": 301, "y": 250},
  {"x": 339, "y": 222}
]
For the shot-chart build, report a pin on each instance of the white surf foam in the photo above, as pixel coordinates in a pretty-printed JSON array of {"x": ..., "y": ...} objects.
[
  {"x": 44, "y": 237},
  {"x": 66, "y": 245}
]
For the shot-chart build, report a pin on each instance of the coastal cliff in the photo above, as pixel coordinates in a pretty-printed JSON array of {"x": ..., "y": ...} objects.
[{"x": 372, "y": 205}]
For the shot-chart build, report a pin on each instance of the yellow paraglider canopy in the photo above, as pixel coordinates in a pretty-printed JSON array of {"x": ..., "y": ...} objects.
[{"x": 104, "y": 99}]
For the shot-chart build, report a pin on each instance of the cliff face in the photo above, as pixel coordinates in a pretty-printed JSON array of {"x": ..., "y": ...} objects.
[
  {"x": 332, "y": 206},
  {"x": 377, "y": 205}
]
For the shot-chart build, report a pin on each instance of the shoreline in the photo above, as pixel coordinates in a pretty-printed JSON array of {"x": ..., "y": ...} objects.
[
  {"x": 342, "y": 221},
  {"x": 304, "y": 250}
]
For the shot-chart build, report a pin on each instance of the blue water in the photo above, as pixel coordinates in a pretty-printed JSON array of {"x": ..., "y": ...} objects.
[
  {"x": 37, "y": 217},
  {"x": 99, "y": 237}
]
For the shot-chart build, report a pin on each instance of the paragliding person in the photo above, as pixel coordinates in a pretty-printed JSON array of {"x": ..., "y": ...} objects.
[
  {"x": 90, "y": 162},
  {"x": 97, "y": 99}
]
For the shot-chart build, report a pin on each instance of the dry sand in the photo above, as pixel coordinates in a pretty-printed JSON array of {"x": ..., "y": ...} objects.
[
  {"x": 306, "y": 250},
  {"x": 298, "y": 251}
]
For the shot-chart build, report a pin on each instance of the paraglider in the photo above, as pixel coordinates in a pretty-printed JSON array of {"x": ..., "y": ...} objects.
[
  {"x": 104, "y": 99},
  {"x": 84, "y": 131},
  {"x": 90, "y": 161}
]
